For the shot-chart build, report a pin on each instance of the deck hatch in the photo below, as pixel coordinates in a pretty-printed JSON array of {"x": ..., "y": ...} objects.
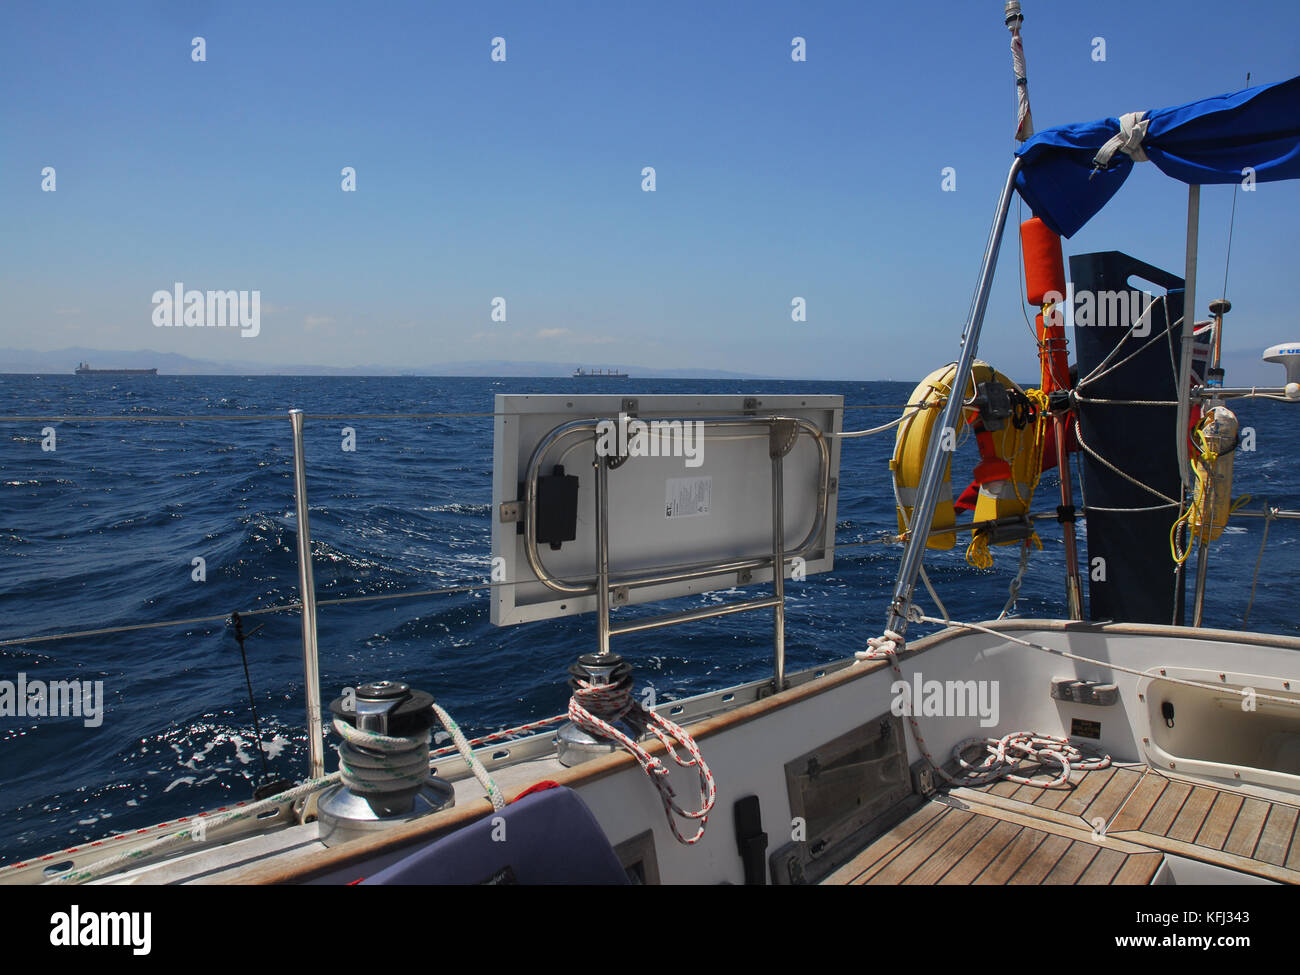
[{"x": 838, "y": 791}]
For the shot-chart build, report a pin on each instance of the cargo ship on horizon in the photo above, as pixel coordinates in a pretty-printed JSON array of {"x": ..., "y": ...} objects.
[{"x": 83, "y": 369}]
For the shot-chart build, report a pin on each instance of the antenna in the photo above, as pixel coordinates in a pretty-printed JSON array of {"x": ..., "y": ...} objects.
[{"x": 1232, "y": 222}]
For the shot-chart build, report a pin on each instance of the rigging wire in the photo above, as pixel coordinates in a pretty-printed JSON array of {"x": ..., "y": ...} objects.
[
  {"x": 281, "y": 417},
  {"x": 1232, "y": 222},
  {"x": 240, "y": 637},
  {"x": 1269, "y": 514},
  {"x": 887, "y": 538}
]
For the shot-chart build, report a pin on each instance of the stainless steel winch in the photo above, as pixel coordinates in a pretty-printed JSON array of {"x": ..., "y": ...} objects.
[
  {"x": 386, "y": 780},
  {"x": 575, "y": 745}
]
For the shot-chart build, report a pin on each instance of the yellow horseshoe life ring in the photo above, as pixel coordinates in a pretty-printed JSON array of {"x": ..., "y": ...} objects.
[
  {"x": 1009, "y": 425},
  {"x": 1215, "y": 440}
]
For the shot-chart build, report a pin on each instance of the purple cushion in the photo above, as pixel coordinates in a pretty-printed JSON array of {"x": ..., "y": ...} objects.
[{"x": 548, "y": 837}]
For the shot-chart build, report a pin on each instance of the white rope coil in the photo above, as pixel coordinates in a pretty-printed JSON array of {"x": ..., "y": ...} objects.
[
  {"x": 1005, "y": 754},
  {"x": 373, "y": 763}
]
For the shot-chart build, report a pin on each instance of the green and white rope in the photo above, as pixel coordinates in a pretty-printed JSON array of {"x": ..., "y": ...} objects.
[{"x": 467, "y": 753}]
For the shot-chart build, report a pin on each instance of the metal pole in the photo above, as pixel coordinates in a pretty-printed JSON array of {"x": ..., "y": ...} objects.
[
  {"x": 1233, "y": 392},
  {"x": 1202, "y": 536},
  {"x": 1189, "y": 316},
  {"x": 1073, "y": 585},
  {"x": 1214, "y": 378},
  {"x": 1203, "y": 555},
  {"x": 602, "y": 554},
  {"x": 307, "y": 590},
  {"x": 1269, "y": 513},
  {"x": 1185, "y": 372},
  {"x": 935, "y": 457},
  {"x": 1014, "y": 20},
  {"x": 778, "y": 570}
]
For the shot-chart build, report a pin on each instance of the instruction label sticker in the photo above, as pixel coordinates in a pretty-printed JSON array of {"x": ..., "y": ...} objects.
[{"x": 688, "y": 497}]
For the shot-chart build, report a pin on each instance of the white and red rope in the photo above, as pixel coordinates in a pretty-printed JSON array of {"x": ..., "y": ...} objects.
[
  {"x": 1004, "y": 754},
  {"x": 594, "y": 708},
  {"x": 509, "y": 733}
]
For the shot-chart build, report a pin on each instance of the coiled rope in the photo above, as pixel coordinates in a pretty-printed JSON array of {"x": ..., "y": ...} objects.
[
  {"x": 1201, "y": 508},
  {"x": 370, "y": 762},
  {"x": 594, "y": 708},
  {"x": 1003, "y": 755}
]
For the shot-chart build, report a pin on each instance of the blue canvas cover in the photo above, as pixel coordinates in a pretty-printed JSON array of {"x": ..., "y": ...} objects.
[{"x": 1203, "y": 142}]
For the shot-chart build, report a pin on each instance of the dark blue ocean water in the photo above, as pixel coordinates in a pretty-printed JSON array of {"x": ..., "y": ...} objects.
[{"x": 102, "y": 531}]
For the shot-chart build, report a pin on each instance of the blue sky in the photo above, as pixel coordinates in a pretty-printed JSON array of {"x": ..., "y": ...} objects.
[{"x": 522, "y": 179}]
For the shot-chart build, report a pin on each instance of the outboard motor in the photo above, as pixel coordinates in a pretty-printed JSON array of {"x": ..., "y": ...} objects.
[{"x": 384, "y": 762}]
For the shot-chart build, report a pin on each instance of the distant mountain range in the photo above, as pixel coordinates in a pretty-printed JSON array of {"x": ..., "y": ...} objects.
[{"x": 63, "y": 361}]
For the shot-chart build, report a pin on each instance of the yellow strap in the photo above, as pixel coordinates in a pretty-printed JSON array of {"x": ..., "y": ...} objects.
[
  {"x": 977, "y": 553},
  {"x": 1179, "y": 559}
]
